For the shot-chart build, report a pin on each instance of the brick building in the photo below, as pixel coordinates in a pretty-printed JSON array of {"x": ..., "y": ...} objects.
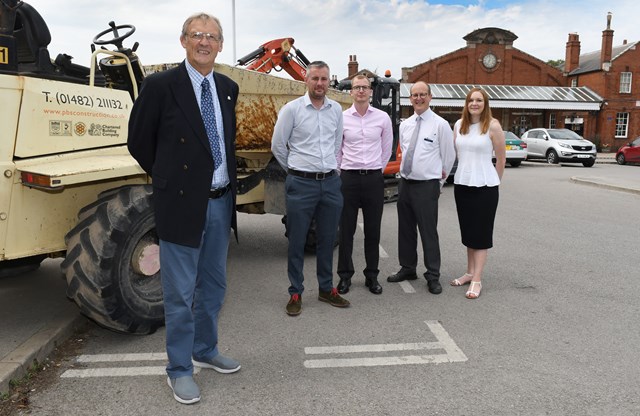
[
  {"x": 609, "y": 72},
  {"x": 593, "y": 95}
]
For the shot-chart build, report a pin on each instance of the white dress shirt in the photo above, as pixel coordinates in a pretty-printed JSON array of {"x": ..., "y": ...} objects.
[{"x": 434, "y": 153}]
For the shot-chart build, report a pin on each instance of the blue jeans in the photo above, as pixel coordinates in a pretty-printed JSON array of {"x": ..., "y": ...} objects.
[
  {"x": 308, "y": 199},
  {"x": 194, "y": 284}
]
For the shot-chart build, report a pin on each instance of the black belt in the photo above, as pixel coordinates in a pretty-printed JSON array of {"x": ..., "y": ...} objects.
[
  {"x": 413, "y": 181},
  {"x": 218, "y": 192},
  {"x": 363, "y": 171},
  {"x": 312, "y": 175}
]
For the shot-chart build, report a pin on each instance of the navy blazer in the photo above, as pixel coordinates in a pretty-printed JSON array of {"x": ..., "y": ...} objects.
[{"x": 168, "y": 139}]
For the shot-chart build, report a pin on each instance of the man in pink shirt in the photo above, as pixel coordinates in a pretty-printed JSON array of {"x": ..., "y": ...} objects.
[{"x": 366, "y": 148}]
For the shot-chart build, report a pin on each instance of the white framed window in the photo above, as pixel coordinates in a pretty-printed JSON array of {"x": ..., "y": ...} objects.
[
  {"x": 574, "y": 82},
  {"x": 552, "y": 120},
  {"x": 622, "y": 124},
  {"x": 625, "y": 82}
]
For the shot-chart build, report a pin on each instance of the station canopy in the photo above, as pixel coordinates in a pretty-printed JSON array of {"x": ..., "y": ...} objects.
[{"x": 512, "y": 96}]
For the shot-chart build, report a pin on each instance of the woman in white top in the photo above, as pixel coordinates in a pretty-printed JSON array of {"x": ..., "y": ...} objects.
[{"x": 477, "y": 136}]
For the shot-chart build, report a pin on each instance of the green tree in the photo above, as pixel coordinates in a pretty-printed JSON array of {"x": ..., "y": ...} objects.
[{"x": 556, "y": 63}]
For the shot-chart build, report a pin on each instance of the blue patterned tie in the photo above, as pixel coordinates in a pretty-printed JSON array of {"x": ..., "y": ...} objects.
[{"x": 209, "y": 118}]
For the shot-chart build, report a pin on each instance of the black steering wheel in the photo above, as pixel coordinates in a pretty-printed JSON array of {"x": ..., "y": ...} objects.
[{"x": 117, "y": 38}]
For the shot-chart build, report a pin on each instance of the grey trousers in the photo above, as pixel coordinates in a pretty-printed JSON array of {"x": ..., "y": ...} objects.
[{"x": 418, "y": 211}]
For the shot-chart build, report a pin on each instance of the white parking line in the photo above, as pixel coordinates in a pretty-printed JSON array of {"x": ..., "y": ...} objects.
[
  {"x": 115, "y": 372},
  {"x": 99, "y": 358},
  {"x": 452, "y": 352},
  {"x": 120, "y": 371},
  {"x": 407, "y": 287},
  {"x": 383, "y": 254},
  {"x": 347, "y": 349}
]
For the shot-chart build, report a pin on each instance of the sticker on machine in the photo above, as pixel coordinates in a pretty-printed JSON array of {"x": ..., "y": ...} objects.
[{"x": 59, "y": 128}]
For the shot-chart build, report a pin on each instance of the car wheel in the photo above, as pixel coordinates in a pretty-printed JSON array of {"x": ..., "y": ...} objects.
[
  {"x": 620, "y": 159},
  {"x": 515, "y": 163},
  {"x": 588, "y": 163},
  {"x": 552, "y": 157}
]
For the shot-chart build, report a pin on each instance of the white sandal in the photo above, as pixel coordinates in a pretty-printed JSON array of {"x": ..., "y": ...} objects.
[
  {"x": 471, "y": 294},
  {"x": 460, "y": 281}
]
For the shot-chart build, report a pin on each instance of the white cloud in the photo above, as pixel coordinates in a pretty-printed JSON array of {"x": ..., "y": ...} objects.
[{"x": 384, "y": 34}]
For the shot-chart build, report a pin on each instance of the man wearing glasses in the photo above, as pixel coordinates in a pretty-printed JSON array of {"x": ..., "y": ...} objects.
[
  {"x": 428, "y": 154},
  {"x": 366, "y": 148},
  {"x": 182, "y": 133}
]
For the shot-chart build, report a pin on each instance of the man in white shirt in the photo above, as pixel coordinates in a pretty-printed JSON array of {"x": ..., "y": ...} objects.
[{"x": 426, "y": 141}]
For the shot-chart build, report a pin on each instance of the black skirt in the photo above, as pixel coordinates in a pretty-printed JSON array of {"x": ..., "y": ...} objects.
[{"x": 476, "y": 213}]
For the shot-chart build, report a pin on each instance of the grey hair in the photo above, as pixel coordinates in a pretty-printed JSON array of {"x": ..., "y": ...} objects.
[{"x": 204, "y": 17}]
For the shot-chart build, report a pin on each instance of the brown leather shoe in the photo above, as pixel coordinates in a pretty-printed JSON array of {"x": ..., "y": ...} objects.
[
  {"x": 333, "y": 298},
  {"x": 294, "y": 307}
]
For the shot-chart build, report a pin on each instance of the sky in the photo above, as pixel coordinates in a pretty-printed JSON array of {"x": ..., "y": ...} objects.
[{"x": 383, "y": 34}]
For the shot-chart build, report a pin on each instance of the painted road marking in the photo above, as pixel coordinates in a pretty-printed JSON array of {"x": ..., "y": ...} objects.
[
  {"x": 99, "y": 358},
  {"x": 383, "y": 254},
  {"x": 120, "y": 371},
  {"x": 452, "y": 352},
  {"x": 407, "y": 287},
  {"x": 115, "y": 372}
]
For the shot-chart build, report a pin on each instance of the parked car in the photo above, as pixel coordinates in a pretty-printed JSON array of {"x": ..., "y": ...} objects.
[
  {"x": 629, "y": 153},
  {"x": 559, "y": 145},
  {"x": 516, "y": 149}
]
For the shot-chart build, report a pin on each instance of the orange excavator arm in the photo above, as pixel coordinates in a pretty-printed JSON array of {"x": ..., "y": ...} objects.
[{"x": 277, "y": 54}]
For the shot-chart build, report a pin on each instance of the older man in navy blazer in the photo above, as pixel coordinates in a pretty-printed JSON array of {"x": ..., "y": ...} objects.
[{"x": 182, "y": 132}]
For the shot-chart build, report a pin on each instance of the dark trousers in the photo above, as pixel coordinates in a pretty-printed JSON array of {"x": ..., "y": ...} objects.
[
  {"x": 364, "y": 192},
  {"x": 308, "y": 199},
  {"x": 418, "y": 211}
]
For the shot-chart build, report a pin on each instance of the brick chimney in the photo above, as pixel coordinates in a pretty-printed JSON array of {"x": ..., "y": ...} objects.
[
  {"x": 607, "y": 42},
  {"x": 572, "y": 57},
  {"x": 352, "y": 66}
]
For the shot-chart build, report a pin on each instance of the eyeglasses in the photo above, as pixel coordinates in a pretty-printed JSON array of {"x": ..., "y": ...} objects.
[
  {"x": 198, "y": 36},
  {"x": 420, "y": 95},
  {"x": 361, "y": 87}
]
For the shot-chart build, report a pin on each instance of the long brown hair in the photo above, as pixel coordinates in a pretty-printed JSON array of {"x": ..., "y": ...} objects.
[{"x": 485, "y": 116}]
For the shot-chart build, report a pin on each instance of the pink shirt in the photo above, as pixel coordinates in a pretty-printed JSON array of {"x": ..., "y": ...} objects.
[{"x": 366, "y": 140}]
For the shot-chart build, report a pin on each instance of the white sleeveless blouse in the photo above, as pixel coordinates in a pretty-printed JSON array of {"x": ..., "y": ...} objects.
[{"x": 475, "y": 151}]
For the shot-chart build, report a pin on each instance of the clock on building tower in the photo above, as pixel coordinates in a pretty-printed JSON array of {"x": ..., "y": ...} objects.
[{"x": 489, "y": 61}]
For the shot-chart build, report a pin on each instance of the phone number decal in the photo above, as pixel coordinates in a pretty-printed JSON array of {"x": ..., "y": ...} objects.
[{"x": 62, "y": 98}]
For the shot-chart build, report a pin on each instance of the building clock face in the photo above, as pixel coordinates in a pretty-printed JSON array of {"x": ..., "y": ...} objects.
[{"x": 489, "y": 61}]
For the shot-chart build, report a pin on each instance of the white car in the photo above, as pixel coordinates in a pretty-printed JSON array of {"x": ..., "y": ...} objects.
[
  {"x": 559, "y": 145},
  {"x": 516, "y": 149}
]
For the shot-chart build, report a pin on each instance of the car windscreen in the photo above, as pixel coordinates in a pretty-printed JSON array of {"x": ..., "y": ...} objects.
[
  {"x": 510, "y": 136},
  {"x": 564, "y": 134}
]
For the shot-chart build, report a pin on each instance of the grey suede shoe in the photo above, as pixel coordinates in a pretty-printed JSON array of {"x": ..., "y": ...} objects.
[
  {"x": 185, "y": 390},
  {"x": 219, "y": 363}
]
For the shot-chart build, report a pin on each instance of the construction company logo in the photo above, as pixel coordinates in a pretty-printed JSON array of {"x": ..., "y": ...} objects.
[
  {"x": 59, "y": 128},
  {"x": 80, "y": 128},
  {"x": 95, "y": 129},
  {"x": 4, "y": 55},
  {"x": 104, "y": 130}
]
